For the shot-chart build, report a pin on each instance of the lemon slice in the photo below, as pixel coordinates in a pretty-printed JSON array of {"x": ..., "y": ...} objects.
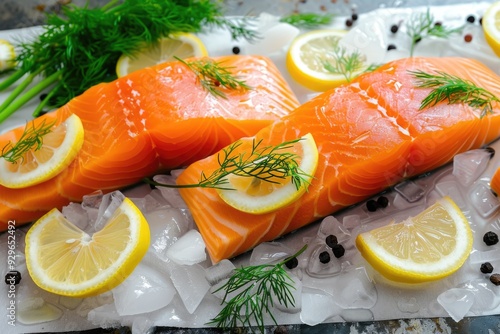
[
  {"x": 253, "y": 195},
  {"x": 491, "y": 27},
  {"x": 495, "y": 182},
  {"x": 60, "y": 147},
  {"x": 427, "y": 247},
  {"x": 64, "y": 260},
  {"x": 7, "y": 55},
  {"x": 182, "y": 45},
  {"x": 308, "y": 54}
]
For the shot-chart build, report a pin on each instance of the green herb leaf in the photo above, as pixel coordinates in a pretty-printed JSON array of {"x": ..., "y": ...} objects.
[
  {"x": 454, "y": 90},
  {"x": 308, "y": 20},
  {"x": 422, "y": 25},
  {"x": 264, "y": 163},
  {"x": 347, "y": 64},
  {"x": 255, "y": 287},
  {"x": 212, "y": 76},
  {"x": 32, "y": 137}
]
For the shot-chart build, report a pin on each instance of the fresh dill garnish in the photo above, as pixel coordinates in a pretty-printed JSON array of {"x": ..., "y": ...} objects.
[
  {"x": 422, "y": 25},
  {"x": 307, "y": 20},
  {"x": 80, "y": 47},
  {"x": 345, "y": 63},
  {"x": 263, "y": 163},
  {"x": 213, "y": 75},
  {"x": 32, "y": 137},
  {"x": 255, "y": 287},
  {"x": 454, "y": 90}
]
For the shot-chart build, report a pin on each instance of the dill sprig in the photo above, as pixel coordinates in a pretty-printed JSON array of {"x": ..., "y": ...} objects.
[
  {"x": 454, "y": 90},
  {"x": 80, "y": 47},
  {"x": 308, "y": 20},
  {"x": 266, "y": 164},
  {"x": 422, "y": 25},
  {"x": 213, "y": 75},
  {"x": 31, "y": 138},
  {"x": 347, "y": 64},
  {"x": 255, "y": 287}
]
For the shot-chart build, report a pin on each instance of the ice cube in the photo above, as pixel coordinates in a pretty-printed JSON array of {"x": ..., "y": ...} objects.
[
  {"x": 76, "y": 214},
  {"x": 316, "y": 268},
  {"x": 485, "y": 299},
  {"x": 219, "y": 271},
  {"x": 145, "y": 290},
  {"x": 269, "y": 252},
  {"x": 142, "y": 325},
  {"x": 483, "y": 200},
  {"x": 331, "y": 225},
  {"x": 70, "y": 303},
  {"x": 191, "y": 285},
  {"x": 452, "y": 189},
  {"x": 109, "y": 203},
  {"x": 166, "y": 226},
  {"x": 356, "y": 315},
  {"x": 408, "y": 304},
  {"x": 351, "y": 221},
  {"x": 468, "y": 166},
  {"x": 105, "y": 316},
  {"x": 36, "y": 310},
  {"x": 410, "y": 191},
  {"x": 354, "y": 289},
  {"x": 317, "y": 306},
  {"x": 457, "y": 302},
  {"x": 154, "y": 201},
  {"x": 91, "y": 203},
  {"x": 189, "y": 249}
]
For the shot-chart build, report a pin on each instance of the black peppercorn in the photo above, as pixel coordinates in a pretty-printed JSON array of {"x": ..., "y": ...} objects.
[
  {"x": 236, "y": 50},
  {"x": 490, "y": 238},
  {"x": 292, "y": 263},
  {"x": 348, "y": 23},
  {"x": 371, "y": 205},
  {"x": 394, "y": 28},
  {"x": 391, "y": 47},
  {"x": 338, "y": 250},
  {"x": 354, "y": 17},
  {"x": 331, "y": 240},
  {"x": 491, "y": 150},
  {"x": 324, "y": 257},
  {"x": 382, "y": 202},
  {"x": 13, "y": 277},
  {"x": 471, "y": 19},
  {"x": 495, "y": 279},
  {"x": 486, "y": 268}
]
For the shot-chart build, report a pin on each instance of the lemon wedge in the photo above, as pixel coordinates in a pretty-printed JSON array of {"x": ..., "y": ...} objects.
[
  {"x": 491, "y": 27},
  {"x": 59, "y": 148},
  {"x": 257, "y": 196},
  {"x": 309, "y": 52},
  {"x": 65, "y": 260},
  {"x": 182, "y": 45},
  {"x": 430, "y": 246},
  {"x": 7, "y": 55}
]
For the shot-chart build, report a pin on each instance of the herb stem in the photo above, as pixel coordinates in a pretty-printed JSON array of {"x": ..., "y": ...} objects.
[{"x": 18, "y": 74}]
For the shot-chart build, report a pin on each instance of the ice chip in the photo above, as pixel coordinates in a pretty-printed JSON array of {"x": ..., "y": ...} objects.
[
  {"x": 166, "y": 226},
  {"x": 145, "y": 290},
  {"x": 457, "y": 302},
  {"x": 354, "y": 289},
  {"x": 269, "y": 252},
  {"x": 171, "y": 195},
  {"x": 356, "y": 315},
  {"x": 91, "y": 203},
  {"x": 331, "y": 225},
  {"x": 410, "y": 191},
  {"x": 316, "y": 268},
  {"x": 109, "y": 203},
  {"x": 486, "y": 298},
  {"x": 351, "y": 221},
  {"x": 188, "y": 250},
  {"x": 468, "y": 166},
  {"x": 36, "y": 311},
  {"x": 317, "y": 306},
  {"x": 451, "y": 188},
  {"x": 483, "y": 200},
  {"x": 219, "y": 271},
  {"x": 191, "y": 285},
  {"x": 76, "y": 214},
  {"x": 142, "y": 325},
  {"x": 105, "y": 316}
]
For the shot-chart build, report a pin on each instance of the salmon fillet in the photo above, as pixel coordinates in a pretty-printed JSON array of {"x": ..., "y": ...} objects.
[
  {"x": 152, "y": 120},
  {"x": 495, "y": 182},
  {"x": 370, "y": 135}
]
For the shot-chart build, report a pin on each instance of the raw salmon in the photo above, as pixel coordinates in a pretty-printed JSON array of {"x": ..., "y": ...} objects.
[
  {"x": 495, "y": 182},
  {"x": 370, "y": 134},
  {"x": 154, "y": 119}
]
